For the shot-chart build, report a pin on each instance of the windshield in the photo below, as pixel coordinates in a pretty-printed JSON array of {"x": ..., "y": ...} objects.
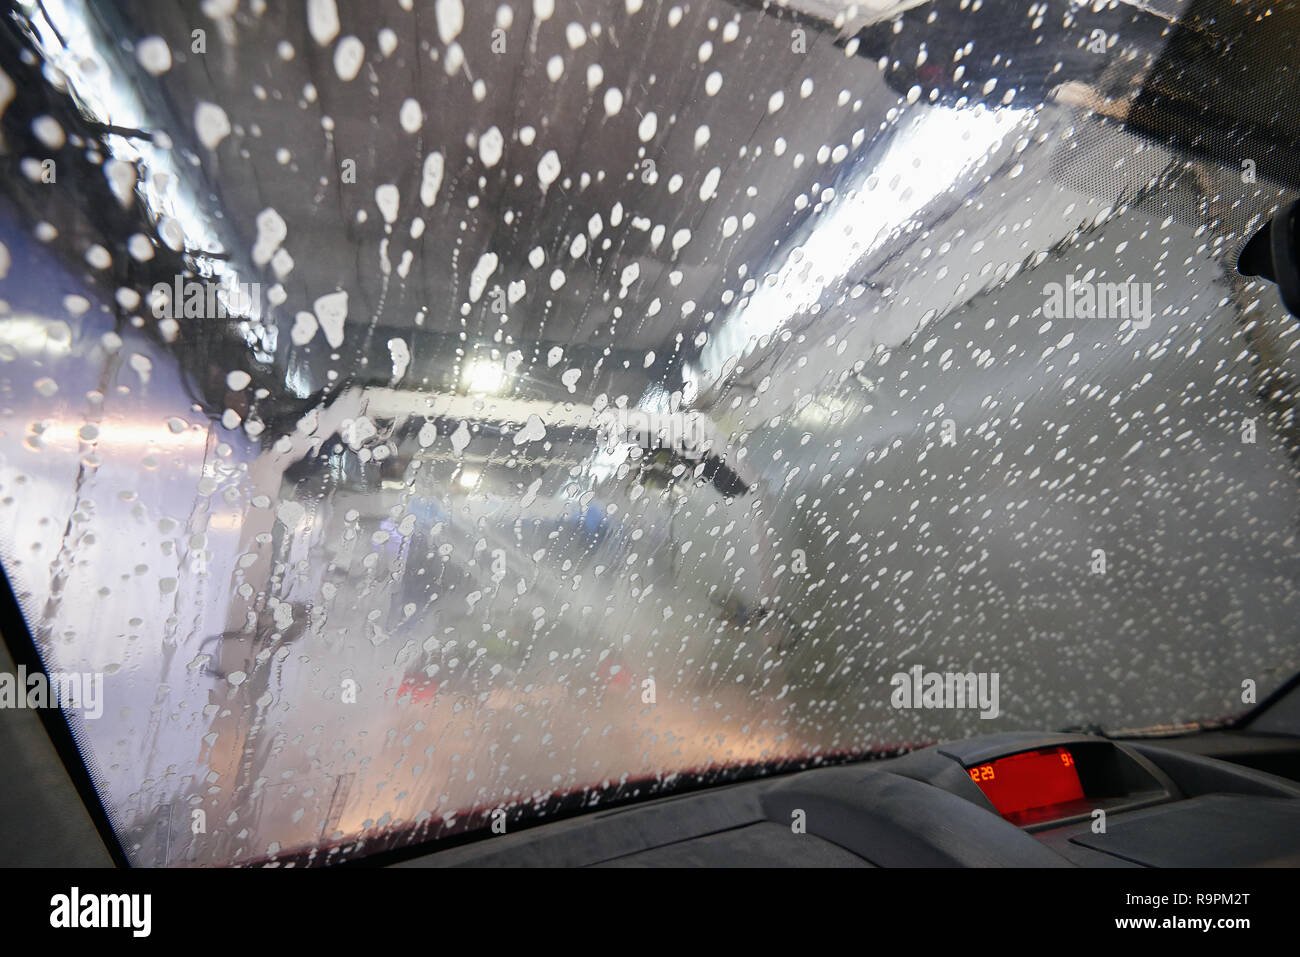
[{"x": 423, "y": 417}]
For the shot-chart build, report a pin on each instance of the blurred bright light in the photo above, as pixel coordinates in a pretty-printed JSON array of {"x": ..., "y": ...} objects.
[
  {"x": 935, "y": 147},
  {"x": 36, "y": 334},
  {"x": 484, "y": 375}
]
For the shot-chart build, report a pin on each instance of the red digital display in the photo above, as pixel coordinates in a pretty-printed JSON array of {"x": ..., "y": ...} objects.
[{"x": 1024, "y": 787}]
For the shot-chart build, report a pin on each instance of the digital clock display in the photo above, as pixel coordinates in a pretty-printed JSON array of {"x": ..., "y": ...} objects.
[{"x": 1026, "y": 787}]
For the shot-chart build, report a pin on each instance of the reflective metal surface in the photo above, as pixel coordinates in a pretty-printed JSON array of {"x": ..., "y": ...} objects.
[{"x": 419, "y": 409}]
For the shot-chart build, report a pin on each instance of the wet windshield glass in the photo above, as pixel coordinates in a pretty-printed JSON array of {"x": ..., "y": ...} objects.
[{"x": 418, "y": 410}]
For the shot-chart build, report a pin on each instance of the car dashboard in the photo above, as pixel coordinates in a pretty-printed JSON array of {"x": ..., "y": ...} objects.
[{"x": 1008, "y": 800}]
